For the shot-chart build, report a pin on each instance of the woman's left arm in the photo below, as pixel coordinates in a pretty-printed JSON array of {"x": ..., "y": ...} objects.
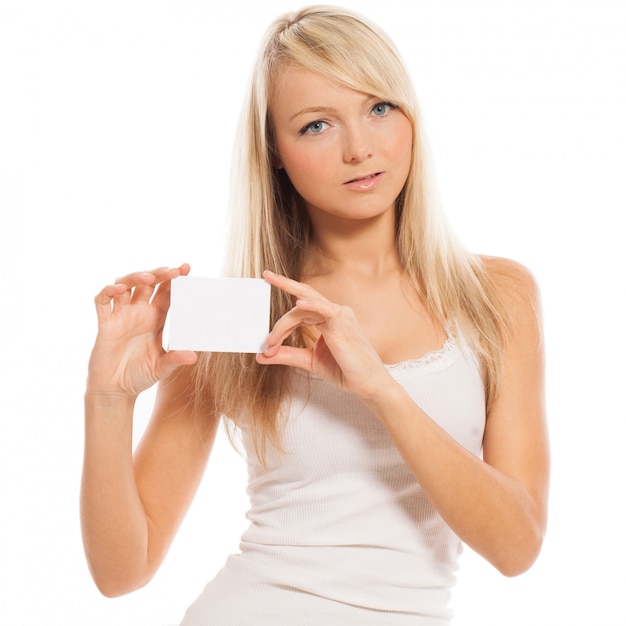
[{"x": 497, "y": 505}]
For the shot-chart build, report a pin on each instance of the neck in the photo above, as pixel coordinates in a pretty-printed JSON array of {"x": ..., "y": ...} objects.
[{"x": 365, "y": 247}]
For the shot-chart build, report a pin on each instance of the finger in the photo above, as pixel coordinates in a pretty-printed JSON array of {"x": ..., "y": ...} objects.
[
  {"x": 142, "y": 293},
  {"x": 308, "y": 312},
  {"x": 143, "y": 284},
  {"x": 134, "y": 282},
  {"x": 162, "y": 274},
  {"x": 104, "y": 299},
  {"x": 319, "y": 308},
  {"x": 153, "y": 276},
  {"x": 137, "y": 278},
  {"x": 166, "y": 273},
  {"x": 285, "y": 326},
  {"x": 295, "y": 288},
  {"x": 161, "y": 299},
  {"x": 287, "y": 355},
  {"x": 184, "y": 269}
]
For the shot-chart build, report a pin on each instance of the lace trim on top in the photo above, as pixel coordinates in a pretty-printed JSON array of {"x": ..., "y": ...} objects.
[
  {"x": 433, "y": 361},
  {"x": 434, "y": 358}
]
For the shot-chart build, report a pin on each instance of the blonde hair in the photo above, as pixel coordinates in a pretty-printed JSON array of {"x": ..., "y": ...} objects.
[{"x": 270, "y": 229}]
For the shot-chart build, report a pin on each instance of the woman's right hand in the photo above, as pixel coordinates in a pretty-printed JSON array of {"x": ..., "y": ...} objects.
[{"x": 128, "y": 355}]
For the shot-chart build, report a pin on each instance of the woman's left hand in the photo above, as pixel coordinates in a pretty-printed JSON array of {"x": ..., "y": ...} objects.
[{"x": 342, "y": 355}]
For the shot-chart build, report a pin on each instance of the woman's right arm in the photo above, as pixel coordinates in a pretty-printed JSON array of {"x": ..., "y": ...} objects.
[{"x": 132, "y": 505}]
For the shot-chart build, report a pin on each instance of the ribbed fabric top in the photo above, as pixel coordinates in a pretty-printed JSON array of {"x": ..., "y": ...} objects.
[{"x": 340, "y": 531}]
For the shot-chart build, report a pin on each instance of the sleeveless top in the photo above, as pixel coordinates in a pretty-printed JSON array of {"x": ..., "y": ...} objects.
[{"x": 340, "y": 530}]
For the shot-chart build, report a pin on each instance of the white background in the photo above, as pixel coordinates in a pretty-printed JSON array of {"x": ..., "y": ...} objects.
[{"x": 116, "y": 125}]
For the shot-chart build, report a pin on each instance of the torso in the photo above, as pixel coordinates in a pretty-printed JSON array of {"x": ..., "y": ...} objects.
[{"x": 340, "y": 531}]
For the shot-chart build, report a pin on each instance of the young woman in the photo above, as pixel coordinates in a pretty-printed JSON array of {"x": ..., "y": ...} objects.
[{"x": 397, "y": 410}]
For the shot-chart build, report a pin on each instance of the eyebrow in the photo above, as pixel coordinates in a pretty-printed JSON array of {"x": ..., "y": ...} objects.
[{"x": 314, "y": 109}]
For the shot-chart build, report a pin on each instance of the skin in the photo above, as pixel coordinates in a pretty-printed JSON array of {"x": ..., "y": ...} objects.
[
  {"x": 498, "y": 504},
  {"x": 131, "y": 505},
  {"x": 360, "y": 312},
  {"x": 327, "y": 136}
]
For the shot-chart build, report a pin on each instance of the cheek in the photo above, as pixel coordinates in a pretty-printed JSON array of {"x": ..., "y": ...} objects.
[
  {"x": 289, "y": 158},
  {"x": 304, "y": 169},
  {"x": 403, "y": 145}
]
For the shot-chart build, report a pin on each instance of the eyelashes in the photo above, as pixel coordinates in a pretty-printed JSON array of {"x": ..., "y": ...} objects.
[
  {"x": 382, "y": 108},
  {"x": 316, "y": 127}
]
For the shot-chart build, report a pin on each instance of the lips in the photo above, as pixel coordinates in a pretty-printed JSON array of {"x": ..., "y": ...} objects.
[
  {"x": 363, "y": 178},
  {"x": 365, "y": 182}
]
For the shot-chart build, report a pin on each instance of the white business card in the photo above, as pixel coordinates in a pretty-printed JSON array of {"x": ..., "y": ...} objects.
[{"x": 219, "y": 314}]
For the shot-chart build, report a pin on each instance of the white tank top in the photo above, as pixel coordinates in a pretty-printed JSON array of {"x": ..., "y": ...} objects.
[{"x": 340, "y": 531}]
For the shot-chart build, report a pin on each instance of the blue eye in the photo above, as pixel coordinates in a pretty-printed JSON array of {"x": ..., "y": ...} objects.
[
  {"x": 314, "y": 128},
  {"x": 382, "y": 108}
]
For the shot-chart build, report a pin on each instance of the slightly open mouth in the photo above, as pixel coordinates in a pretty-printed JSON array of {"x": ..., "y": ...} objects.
[{"x": 364, "y": 178}]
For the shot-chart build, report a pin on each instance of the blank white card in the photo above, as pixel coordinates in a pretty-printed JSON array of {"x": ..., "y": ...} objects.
[{"x": 219, "y": 314}]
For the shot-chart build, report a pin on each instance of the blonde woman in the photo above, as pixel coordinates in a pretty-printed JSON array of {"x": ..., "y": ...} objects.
[{"x": 397, "y": 410}]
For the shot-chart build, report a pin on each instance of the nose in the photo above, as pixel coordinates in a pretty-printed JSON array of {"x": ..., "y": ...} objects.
[{"x": 357, "y": 145}]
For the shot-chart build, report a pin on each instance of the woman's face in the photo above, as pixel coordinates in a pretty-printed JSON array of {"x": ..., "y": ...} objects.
[{"x": 346, "y": 153}]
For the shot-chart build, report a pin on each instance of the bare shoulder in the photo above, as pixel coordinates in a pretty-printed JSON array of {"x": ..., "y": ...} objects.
[
  {"x": 518, "y": 298},
  {"x": 509, "y": 274},
  {"x": 514, "y": 283}
]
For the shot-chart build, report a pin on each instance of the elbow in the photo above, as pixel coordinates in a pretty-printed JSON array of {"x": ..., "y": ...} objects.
[
  {"x": 110, "y": 591},
  {"x": 521, "y": 542},
  {"x": 114, "y": 589},
  {"x": 515, "y": 567},
  {"x": 119, "y": 571},
  {"x": 518, "y": 558},
  {"x": 120, "y": 584}
]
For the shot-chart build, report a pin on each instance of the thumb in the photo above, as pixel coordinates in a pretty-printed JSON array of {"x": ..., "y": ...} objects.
[
  {"x": 172, "y": 360},
  {"x": 288, "y": 355}
]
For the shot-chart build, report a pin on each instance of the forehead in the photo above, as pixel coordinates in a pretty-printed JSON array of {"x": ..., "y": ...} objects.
[{"x": 295, "y": 88}]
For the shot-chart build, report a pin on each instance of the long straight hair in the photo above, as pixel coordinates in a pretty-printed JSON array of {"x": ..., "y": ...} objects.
[{"x": 270, "y": 228}]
